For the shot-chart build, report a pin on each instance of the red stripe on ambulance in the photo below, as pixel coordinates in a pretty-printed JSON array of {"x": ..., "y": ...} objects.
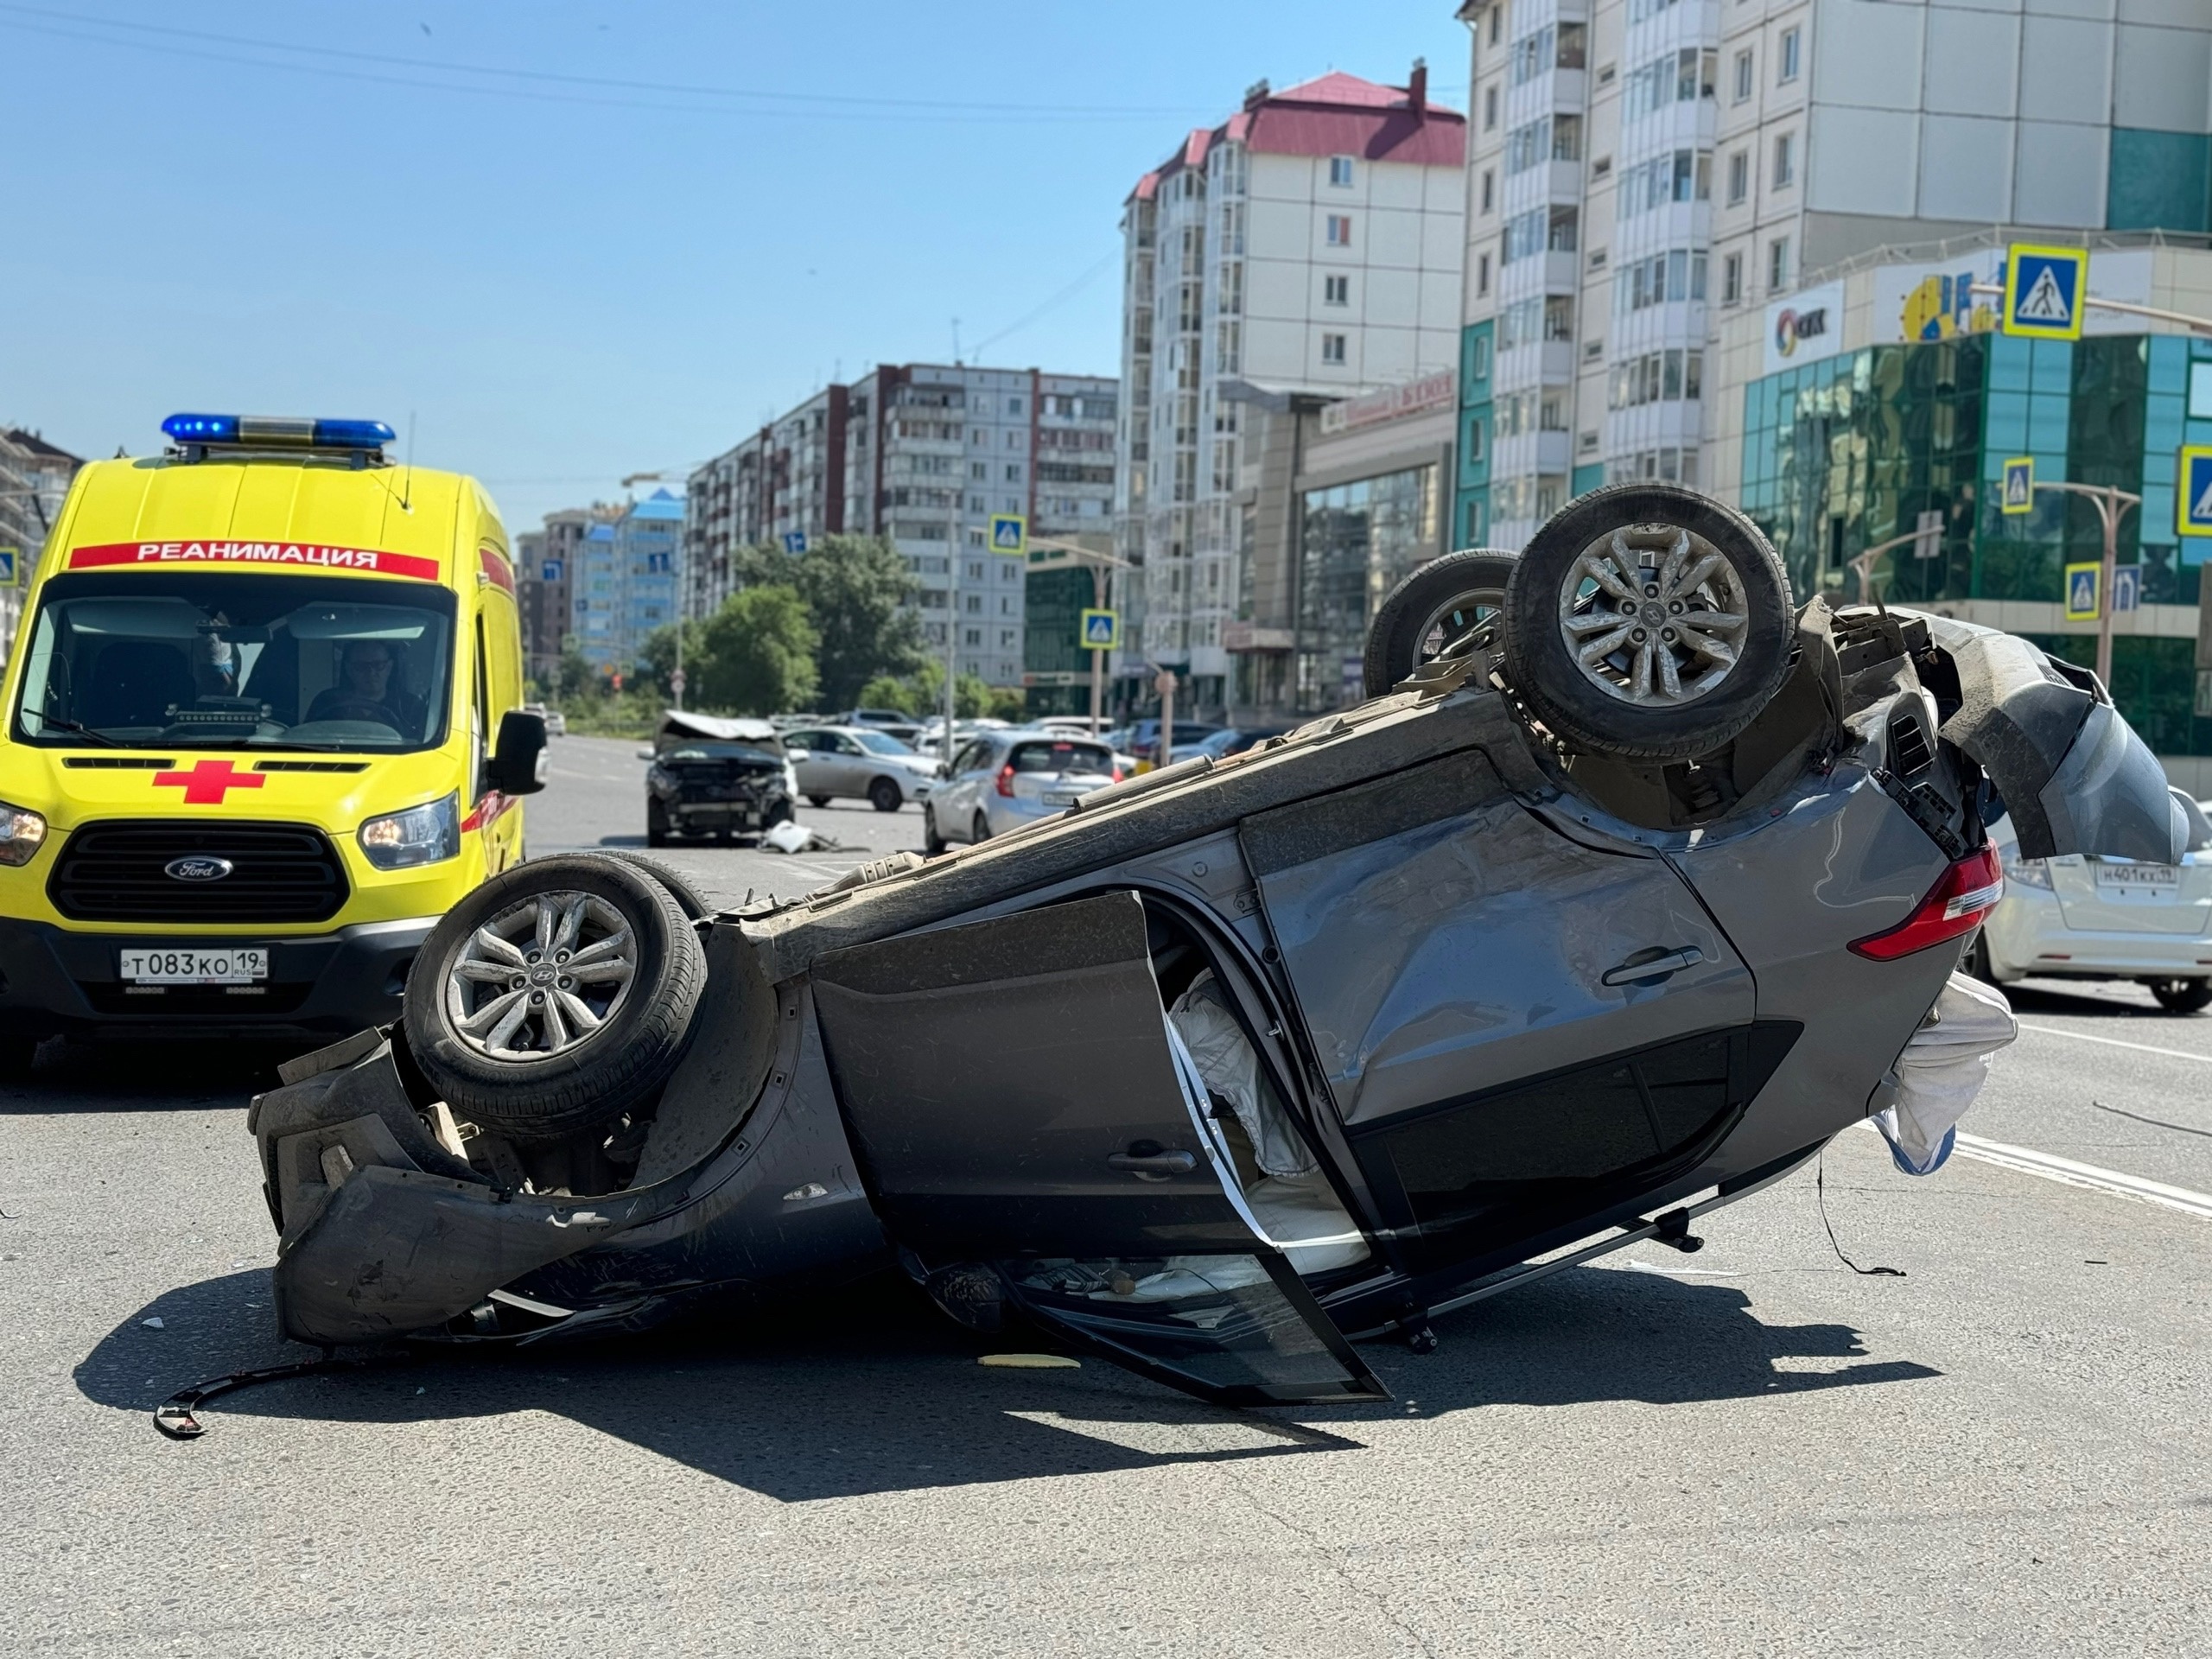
[{"x": 375, "y": 561}]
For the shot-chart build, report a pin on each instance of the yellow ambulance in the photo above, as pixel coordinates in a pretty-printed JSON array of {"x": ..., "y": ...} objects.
[{"x": 264, "y": 725}]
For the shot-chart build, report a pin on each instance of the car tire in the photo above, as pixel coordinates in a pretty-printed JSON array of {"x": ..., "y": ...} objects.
[
  {"x": 1621, "y": 703},
  {"x": 1444, "y": 593},
  {"x": 656, "y": 823},
  {"x": 689, "y": 899},
  {"x": 886, "y": 795},
  {"x": 2182, "y": 996},
  {"x": 933, "y": 844},
  {"x": 1976, "y": 963},
  {"x": 649, "y": 967},
  {"x": 980, "y": 829},
  {"x": 817, "y": 802}
]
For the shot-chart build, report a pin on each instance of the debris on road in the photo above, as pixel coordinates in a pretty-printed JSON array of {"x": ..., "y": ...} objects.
[
  {"x": 790, "y": 837},
  {"x": 154, "y": 1324},
  {"x": 1030, "y": 1362}
]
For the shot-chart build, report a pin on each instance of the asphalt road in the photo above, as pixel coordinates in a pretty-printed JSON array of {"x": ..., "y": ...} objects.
[{"x": 1751, "y": 1451}]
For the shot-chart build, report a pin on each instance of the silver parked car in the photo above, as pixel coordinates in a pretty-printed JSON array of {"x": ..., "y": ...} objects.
[
  {"x": 857, "y": 763},
  {"x": 1001, "y": 780}
]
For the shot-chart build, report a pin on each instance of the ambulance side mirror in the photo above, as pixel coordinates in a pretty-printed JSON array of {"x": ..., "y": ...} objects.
[{"x": 518, "y": 763}]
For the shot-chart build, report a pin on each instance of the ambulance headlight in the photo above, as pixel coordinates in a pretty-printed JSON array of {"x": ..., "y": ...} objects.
[
  {"x": 421, "y": 835},
  {"x": 21, "y": 833}
]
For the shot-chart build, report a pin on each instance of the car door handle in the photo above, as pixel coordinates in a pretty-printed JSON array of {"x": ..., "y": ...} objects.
[
  {"x": 1153, "y": 1167},
  {"x": 1640, "y": 968}
]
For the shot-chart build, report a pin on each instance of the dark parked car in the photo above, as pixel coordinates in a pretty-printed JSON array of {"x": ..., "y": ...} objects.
[
  {"x": 715, "y": 777},
  {"x": 1223, "y": 1065}
]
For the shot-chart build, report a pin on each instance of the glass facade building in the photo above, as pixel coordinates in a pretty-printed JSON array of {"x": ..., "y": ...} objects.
[
  {"x": 1357, "y": 542},
  {"x": 1841, "y": 455}
]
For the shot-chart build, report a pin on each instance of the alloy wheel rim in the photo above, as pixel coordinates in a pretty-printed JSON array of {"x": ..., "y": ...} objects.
[
  {"x": 1447, "y": 624},
  {"x": 1653, "y": 615},
  {"x": 543, "y": 977}
]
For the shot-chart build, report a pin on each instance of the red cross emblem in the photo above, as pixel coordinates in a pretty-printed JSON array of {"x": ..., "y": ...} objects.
[{"x": 204, "y": 785}]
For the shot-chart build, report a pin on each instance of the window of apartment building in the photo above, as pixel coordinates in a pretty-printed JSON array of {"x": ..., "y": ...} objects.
[
  {"x": 1474, "y": 441},
  {"x": 1791, "y": 39},
  {"x": 1676, "y": 275},
  {"x": 1551, "y": 412},
  {"x": 1014, "y": 405},
  {"x": 1479, "y": 365},
  {"x": 1490, "y": 108},
  {"x": 1785, "y": 161},
  {"x": 1743, "y": 77},
  {"x": 1490, "y": 193},
  {"x": 1013, "y": 472},
  {"x": 1587, "y": 442},
  {"x": 972, "y": 636},
  {"x": 1731, "y": 279},
  {"x": 1658, "y": 376},
  {"x": 1340, "y": 171},
  {"x": 1527, "y": 145},
  {"x": 1496, "y": 22},
  {"x": 1566, "y": 138},
  {"x": 1332, "y": 349},
  {"x": 1542, "y": 317},
  {"x": 1336, "y": 290},
  {"x": 1339, "y": 229},
  {"x": 1739, "y": 177},
  {"x": 1228, "y": 347},
  {"x": 1678, "y": 76},
  {"x": 1777, "y": 264},
  {"x": 1679, "y": 175},
  {"x": 1593, "y": 350},
  {"x": 1482, "y": 274}
]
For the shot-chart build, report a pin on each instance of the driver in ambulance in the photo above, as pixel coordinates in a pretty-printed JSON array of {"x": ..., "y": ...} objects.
[{"x": 372, "y": 686}]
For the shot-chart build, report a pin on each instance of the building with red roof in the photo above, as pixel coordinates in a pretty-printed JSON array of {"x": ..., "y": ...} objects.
[{"x": 1310, "y": 246}]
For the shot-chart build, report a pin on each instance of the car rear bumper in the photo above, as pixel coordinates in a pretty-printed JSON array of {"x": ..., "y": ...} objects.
[
  {"x": 53, "y": 980},
  {"x": 2028, "y": 935}
]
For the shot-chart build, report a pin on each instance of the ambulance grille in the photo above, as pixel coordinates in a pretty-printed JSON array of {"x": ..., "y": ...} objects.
[{"x": 118, "y": 872}]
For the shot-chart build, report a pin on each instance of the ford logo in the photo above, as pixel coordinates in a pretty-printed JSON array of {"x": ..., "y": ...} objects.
[{"x": 198, "y": 869}]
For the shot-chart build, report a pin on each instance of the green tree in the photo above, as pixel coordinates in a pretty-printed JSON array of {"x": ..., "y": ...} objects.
[
  {"x": 887, "y": 691},
  {"x": 1008, "y": 702},
  {"x": 859, "y": 591},
  {"x": 657, "y": 659},
  {"x": 576, "y": 680},
  {"x": 757, "y": 654}
]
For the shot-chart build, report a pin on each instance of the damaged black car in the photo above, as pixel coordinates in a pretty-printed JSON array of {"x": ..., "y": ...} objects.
[
  {"x": 1627, "y": 888},
  {"x": 716, "y": 777}
]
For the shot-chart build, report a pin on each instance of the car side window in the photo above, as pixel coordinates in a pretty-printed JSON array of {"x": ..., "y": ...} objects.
[{"x": 968, "y": 759}]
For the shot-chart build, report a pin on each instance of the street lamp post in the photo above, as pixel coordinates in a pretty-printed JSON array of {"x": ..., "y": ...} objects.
[
  {"x": 1101, "y": 565},
  {"x": 2112, "y": 504}
]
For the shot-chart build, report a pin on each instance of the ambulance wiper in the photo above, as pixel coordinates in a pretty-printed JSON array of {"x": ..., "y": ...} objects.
[{"x": 77, "y": 727}]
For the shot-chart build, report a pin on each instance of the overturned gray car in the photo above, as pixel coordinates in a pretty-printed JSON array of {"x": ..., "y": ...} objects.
[{"x": 1621, "y": 895}]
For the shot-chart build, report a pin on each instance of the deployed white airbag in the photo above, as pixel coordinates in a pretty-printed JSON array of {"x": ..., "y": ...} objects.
[{"x": 1943, "y": 1070}]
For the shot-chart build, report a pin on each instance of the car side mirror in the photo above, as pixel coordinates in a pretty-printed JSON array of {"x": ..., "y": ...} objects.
[
  {"x": 791, "y": 753},
  {"x": 519, "y": 761}
]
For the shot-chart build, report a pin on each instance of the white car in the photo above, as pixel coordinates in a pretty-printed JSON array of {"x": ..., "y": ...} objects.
[
  {"x": 2077, "y": 917},
  {"x": 857, "y": 762}
]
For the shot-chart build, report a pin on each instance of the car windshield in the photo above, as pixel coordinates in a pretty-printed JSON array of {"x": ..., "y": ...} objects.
[
  {"x": 881, "y": 743},
  {"x": 214, "y": 659}
]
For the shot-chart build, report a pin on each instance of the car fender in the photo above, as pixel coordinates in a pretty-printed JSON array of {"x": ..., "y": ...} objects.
[{"x": 2072, "y": 773}]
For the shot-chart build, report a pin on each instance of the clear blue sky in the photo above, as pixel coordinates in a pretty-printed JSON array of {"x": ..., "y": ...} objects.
[{"x": 567, "y": 269}]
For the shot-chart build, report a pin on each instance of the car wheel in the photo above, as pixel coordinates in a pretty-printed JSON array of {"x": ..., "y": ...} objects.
[
  {"x": 980, "y": 829},
  {"x": 932, "y": 843},
  {"x": 1435, "y": 608},
  {"x": 656, "y": 823},
  {"x": 554, "y": 997},
  {"x": 1976, "y": 965},
  {"x": 2182, "y": 996},
  {"x": 885, "y": 795},
  {"x": 817, "y": 802},
  {"x": 692, "y": 902},
  {"x": 1648, "y": 621}
]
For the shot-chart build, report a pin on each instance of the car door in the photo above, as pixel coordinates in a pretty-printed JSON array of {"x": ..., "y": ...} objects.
[
  {"x": 813, "y": 772},
  {"x": 1511, "y": 1023},
  {"x": 1014, "y": 1099},
  {"x": 955, "y": 814}
]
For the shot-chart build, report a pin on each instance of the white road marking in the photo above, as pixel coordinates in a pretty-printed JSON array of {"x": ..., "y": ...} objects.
[
  {"x": 2028, "y": 1162},
  {"x": 2115, "y": 1042}
]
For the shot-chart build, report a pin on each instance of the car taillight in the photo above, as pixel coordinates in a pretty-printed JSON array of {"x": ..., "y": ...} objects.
[
  {"x": 1117, "y": 774},
  {"x": 1006, "y": 780},
  {"x": 1954, "y": 906}
]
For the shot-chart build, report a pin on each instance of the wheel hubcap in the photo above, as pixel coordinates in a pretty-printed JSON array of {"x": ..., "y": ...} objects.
[
  {"x": 1653, "y": 615},
  {"x": 542, "y": 977}
]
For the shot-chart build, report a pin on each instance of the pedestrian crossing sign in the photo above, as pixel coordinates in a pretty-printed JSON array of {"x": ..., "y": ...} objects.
[
  {"x": 2045, "y": 289},
  {"x": 1101, "y": 630},
  {"x": 2020, "y": 495},
  {"x": 2083, "y": 581},
  {"x": 1010, "y": 534},
  {"x": 2195, "y": 496}
]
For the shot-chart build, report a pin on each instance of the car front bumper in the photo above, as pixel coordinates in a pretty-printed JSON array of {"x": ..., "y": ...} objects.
[
  {"x": 53, "y": 980},
  {"x": 2027, "y": 935}
]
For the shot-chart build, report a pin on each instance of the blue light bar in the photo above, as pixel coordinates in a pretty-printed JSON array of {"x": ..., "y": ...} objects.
[{"x": 279, "y": 431}]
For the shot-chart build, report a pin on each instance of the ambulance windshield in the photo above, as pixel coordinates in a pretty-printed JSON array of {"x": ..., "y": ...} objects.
[{"x": 167, "y": 659}]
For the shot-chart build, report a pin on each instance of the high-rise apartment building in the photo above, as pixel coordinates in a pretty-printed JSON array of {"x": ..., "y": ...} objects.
[
  {"x": 926, "y": 454},
  {"x": 1640, "y": 169},
  {"x": 621, "y": 572},
  {"x": 787, "y": 479},
  {"x": 1309, "y": 246}
]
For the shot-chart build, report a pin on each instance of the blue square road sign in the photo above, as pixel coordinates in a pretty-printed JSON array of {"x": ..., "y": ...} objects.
[
  {"x": 2044, "y": 289},
  {"x": 2127, "y": 587},
  {"x": 2193, "y": 498},
  {"x": 2083, "y": 581},
  {"x": 1009, "y": 534}
]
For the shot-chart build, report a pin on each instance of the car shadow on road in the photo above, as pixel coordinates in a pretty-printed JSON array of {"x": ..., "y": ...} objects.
[
  {"x": 874, "y": 1392},
  {"x": 140, "y": 1074}
]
